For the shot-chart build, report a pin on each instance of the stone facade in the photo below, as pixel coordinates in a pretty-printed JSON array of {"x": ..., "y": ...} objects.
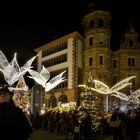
[{"x": 92, "y": 53}]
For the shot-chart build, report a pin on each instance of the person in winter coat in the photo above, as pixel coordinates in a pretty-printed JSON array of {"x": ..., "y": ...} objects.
[
  {"x": 132, "y": 125},
  {"x": 117, "y": 131},
  {"x": 13, "y": 122},
  {"x": 86, "y": 126}
]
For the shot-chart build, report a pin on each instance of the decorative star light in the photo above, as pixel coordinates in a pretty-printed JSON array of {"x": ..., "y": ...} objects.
[
  {"x": 134, "y": 97},
  {"x": 104, "y": 89},
  {"x": 11, "y": 71},
  {"x": 42, "y": 78}
]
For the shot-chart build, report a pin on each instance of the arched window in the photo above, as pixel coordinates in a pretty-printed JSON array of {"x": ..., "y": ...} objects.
[
  {"x": 52, "y": 102},
  {"x": 131, "y": 43},
  {"x": 100, "y": 22},
  {"x": 91, "y": 24},
  {"x": 63, "y": 99}
]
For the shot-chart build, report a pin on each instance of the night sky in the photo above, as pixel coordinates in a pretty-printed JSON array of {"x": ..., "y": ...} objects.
[{"x": 26, "y": 25}]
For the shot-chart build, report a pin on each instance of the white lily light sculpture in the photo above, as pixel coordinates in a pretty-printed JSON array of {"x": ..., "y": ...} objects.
[
  {"x": 42, "y": 78},
  {"x": 134, "y": 97},
  {"x": 104, "y": 89},
  {"x": 11, "y": 71}
]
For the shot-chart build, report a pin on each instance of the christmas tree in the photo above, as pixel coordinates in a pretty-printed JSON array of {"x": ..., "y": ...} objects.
[
  {"x": 22, "y": 97},
  {"x": 88, "y": 101}
]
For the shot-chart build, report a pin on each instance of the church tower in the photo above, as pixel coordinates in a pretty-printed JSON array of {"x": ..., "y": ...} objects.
[
  {"x": 96, "y": 27},
  {"x": 125, "y": 61}
]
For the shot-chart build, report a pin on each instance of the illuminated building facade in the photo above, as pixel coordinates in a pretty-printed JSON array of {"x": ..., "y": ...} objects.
[
  {"x": 62, "y": 54},
  {"x": 91, "y": 52}
]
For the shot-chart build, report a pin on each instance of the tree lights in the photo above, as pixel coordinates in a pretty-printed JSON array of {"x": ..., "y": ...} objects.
[
  {"x": 22, "y": 97},
  {"x": 88, "y": 101}
]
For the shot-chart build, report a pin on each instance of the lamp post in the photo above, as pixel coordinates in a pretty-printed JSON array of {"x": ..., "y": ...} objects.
[{"x": 106, "y": 104}]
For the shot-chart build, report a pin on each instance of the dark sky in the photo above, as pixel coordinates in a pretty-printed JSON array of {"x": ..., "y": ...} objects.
[{"x": 26, "y": 25}]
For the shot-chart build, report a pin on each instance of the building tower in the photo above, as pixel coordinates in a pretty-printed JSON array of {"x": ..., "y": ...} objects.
[
  {"x": 97, "y": 53},
  {"x": 125, "y": 61}
]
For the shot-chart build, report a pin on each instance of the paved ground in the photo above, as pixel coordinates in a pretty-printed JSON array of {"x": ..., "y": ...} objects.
[{"x": 45, "y": 135}]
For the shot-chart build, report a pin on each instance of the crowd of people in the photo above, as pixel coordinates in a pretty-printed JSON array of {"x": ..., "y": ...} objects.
[
  {"x": 63, "y": 123},
  {"x": 129, "y": 125},
  {"x": 17, "y": 125},
  {"x": 70, "y": 123}
]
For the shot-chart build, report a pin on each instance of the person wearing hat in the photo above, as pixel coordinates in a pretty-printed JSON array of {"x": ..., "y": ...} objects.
[{"x": 13, "y": 122}]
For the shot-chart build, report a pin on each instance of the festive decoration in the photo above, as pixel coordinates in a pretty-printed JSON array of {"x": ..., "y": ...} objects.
[
  {"x": 121, "y": 96},
  {"x": 104, "y": 89},
  {"x": 22, "y": 97},
  {"x": 71, "y": 106},
  {"x": 134, "y": 97},
  {"x": 88, "y": 102},
  {"x": 42, "y": 78},
  {"x": 15, "y": 88},
  {"x": 25, "y": 88},
  {"x": 11, "y": 71}
]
